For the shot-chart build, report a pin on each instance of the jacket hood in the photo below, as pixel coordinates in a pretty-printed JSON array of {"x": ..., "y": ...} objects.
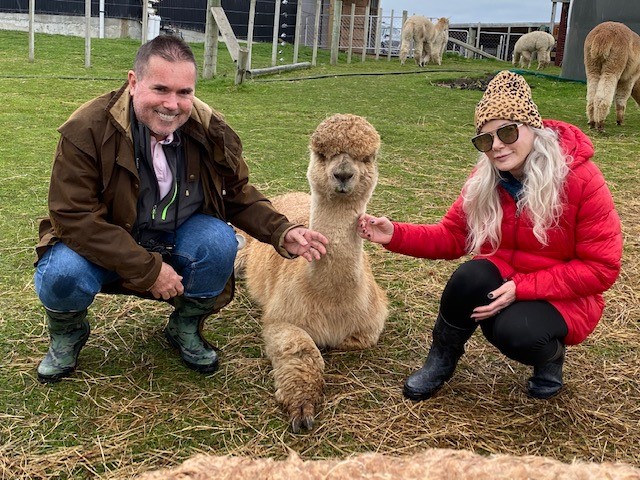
[{"x": 574, "y": 141}]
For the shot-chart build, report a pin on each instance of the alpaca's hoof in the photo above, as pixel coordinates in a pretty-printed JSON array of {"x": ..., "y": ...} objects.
[{"x": 302, "y": 418}]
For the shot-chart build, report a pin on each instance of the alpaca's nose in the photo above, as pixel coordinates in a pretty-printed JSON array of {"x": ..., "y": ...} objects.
[{"x": 342, "y": 176}]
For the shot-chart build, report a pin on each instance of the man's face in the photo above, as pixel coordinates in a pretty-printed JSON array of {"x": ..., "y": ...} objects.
[{"x": 163, "y": 96}]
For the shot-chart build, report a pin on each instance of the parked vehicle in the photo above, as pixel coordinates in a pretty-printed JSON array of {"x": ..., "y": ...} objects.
[{"x": 390, "y": 39}]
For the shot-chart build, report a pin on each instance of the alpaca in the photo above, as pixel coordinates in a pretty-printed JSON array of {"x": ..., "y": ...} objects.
[
  {"x": 537, "y": 42},
  {"x": 612, "y": 65},
  {"x": 421, "y": 31},
  {"x": 333, "y": 302},
  {"x": 429, "y": 464},
  {"x": 440, "y": 39}
]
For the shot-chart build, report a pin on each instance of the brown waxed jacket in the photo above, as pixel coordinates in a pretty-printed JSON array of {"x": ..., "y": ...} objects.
[{"x": 94, "y": 188}]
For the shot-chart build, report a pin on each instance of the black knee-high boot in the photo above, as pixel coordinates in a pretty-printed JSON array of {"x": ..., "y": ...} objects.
[{"x": 446, "y": 349}]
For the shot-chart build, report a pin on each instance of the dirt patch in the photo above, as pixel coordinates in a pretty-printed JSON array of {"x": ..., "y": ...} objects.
[{"x": 466, "y": 83}]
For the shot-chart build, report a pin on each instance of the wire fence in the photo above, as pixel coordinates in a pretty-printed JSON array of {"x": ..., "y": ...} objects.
[{"x": 309, "y": 23}]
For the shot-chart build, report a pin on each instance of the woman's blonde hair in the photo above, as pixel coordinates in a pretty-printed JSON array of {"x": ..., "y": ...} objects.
[{"x": 545, "y": 171}]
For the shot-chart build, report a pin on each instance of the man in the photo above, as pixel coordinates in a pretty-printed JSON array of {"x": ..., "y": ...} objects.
[{"x": 145, "y": 184}]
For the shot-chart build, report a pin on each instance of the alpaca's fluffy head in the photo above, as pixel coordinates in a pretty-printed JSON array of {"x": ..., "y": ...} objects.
[
  {"x": 443, "y": 23},
  {"x": 343, "y": 158},
  {"x": 345, "y": 133}
]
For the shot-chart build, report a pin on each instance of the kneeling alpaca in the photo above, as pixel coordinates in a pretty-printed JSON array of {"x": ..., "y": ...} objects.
[
  {"x": 612, "y": 65},
  {"x": 333, "y": 302}
]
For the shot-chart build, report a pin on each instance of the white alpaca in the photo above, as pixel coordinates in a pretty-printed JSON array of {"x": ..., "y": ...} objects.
[
  {"x": 612, "y": 65},
  {"x": 539, "y": 43},
  {"x": 420, "y": 30},
  {"x": 440, "y": 39},
  {"x": 333, "y": 302}
]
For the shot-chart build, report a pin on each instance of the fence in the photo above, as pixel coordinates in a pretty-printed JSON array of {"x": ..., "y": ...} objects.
[{"x": 299, "y": 22}]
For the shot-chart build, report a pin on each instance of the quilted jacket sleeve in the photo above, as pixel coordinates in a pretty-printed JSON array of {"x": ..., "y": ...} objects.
[{"x": 443, "y": 240}]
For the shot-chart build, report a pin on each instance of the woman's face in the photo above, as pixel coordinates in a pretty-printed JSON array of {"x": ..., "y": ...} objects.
[{"x": 509, "y": 157}]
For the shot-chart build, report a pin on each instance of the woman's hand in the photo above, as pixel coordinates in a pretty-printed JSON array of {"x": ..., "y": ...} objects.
[
  {"x": 502, "y": 297},
  {"x": 375, "y": 229}
]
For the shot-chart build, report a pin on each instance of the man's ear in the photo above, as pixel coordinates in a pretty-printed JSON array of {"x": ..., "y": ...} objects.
[{"x": 133, "y": 80}]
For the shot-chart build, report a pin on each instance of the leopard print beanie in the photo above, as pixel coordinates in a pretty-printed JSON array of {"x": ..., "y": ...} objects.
[{"x": 507, "y": 97}]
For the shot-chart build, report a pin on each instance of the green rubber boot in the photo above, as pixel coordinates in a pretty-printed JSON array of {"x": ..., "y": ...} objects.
[
  {"x": 69, "y": 332},
  {"x": 184, "y": 332}
]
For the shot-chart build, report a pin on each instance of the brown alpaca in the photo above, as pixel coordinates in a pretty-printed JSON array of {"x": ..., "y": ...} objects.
[
  {"x": 430, "y": 464},
  {"x": 539, "y": 43},
  {"x": 612, "y": 64},
  {"x": 333, "y": 302},
  {"x": 420, "y": 30}
]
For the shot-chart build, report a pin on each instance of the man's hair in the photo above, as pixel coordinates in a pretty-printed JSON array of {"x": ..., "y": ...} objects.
[{"x": 168, "y": 47}]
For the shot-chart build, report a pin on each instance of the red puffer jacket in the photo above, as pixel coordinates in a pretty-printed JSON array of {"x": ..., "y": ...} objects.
[{"x": 583, "y": 255}]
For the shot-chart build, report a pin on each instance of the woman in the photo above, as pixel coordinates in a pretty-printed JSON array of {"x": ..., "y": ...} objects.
[{"x": 539, "y": 219}]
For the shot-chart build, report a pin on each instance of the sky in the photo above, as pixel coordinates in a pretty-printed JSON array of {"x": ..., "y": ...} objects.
[{"x": 474, "y": 11}]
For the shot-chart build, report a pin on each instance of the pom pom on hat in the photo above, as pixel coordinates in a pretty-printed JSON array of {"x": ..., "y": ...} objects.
[{"x": 507, "y": 97}]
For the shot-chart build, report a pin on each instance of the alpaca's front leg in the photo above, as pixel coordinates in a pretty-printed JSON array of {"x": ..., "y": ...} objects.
[{"x": 298, "y": 369}]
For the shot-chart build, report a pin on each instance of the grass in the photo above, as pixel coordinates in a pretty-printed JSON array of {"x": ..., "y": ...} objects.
[{"x": 132, "y": 406}]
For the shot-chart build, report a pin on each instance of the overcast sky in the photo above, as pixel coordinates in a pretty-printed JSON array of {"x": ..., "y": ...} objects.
[{"x": 473, "y": 11}]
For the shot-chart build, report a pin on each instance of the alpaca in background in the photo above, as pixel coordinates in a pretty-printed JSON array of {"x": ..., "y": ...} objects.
[
  {"x": 612, "y": 65},
  {"x": 539, "y": 43},
  {"x": 440, "y": 39},
  {"x": 333, "y": 302},
  {"x": 420, "y": 30}
]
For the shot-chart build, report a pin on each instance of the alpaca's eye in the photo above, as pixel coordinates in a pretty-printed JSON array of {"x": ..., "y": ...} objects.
[{"x": 366, "y": 159}]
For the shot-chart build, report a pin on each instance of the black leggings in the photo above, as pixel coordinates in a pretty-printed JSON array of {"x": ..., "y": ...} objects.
[{"x": 530, "y": 332}]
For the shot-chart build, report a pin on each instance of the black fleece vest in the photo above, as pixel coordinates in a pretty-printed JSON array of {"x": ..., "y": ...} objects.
[{"x": 158, "y": 218}]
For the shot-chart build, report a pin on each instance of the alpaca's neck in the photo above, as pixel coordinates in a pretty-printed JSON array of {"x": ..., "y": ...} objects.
[{"x": 337, "y": 221}]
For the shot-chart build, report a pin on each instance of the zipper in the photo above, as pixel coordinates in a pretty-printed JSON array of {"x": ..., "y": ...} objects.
[{"x": 166, "y": 208}]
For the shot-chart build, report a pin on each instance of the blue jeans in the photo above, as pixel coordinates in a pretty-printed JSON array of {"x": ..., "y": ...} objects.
[{"x": 205, "y": 249}]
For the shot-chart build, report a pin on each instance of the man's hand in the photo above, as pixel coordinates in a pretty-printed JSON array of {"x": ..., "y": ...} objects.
[
  {"x": 168, "y": 284},
  {"x": 306, "y": 243}
]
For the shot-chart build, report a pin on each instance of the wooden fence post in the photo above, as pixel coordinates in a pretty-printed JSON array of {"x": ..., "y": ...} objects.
[
  {"x": 377, "y": 35},
  {"x": 365, "y": 34},
  {"x": 390, "y": 45},
  {"x": 32, "y": 37},
  {"x": 144, "y": 35},
  {"x": 296, "y": 41},
  {"x": 252, "y": 19},
  {"x": 210, "y": 42},
  {"x": 87, "y": 33},
  {"x": 352, "y": 19},
  {"x": 316, "y": 33},
  {"x": 276, "y": 28},
  {"x": 241, "y": 66},
  {"x": 335, "y": 33}
]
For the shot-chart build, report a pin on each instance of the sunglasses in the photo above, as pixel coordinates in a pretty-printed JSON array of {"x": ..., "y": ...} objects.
[{"x": 507, "y": 134}]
